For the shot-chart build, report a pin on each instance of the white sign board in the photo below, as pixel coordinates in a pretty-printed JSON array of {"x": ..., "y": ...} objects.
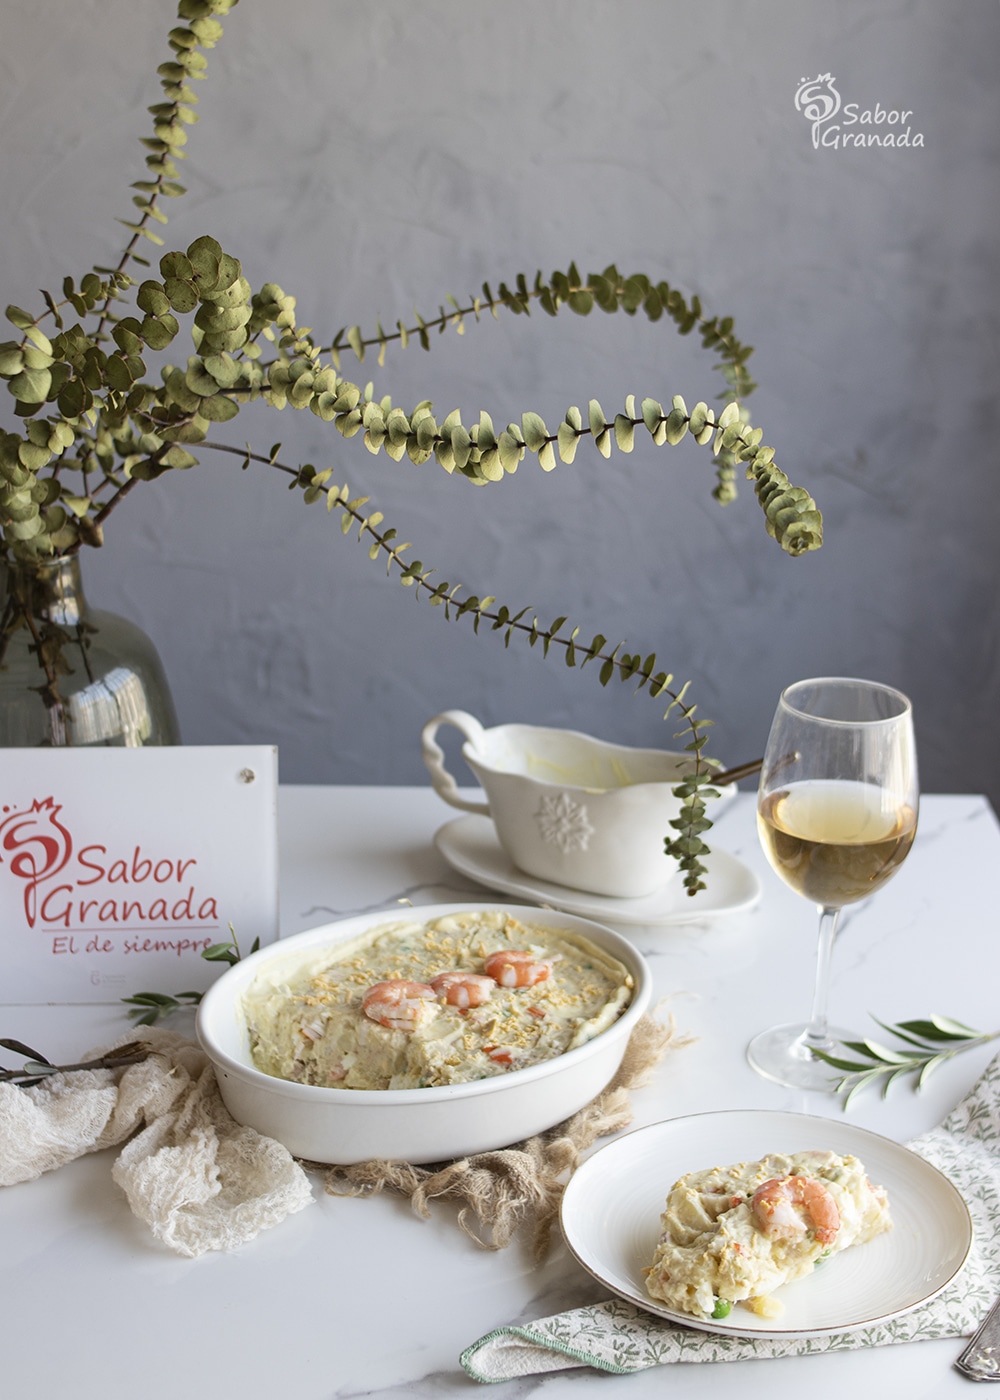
[{"x": 118, "y": 867}]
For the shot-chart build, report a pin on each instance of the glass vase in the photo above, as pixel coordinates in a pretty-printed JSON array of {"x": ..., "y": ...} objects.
[{"x": 73, "y": 675}]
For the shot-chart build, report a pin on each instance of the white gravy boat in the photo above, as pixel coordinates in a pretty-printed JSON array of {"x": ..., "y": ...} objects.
[{"x": 569, "y": 808}]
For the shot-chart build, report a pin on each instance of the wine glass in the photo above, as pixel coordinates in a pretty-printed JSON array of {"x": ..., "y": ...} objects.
[{"x": 836, "y": 815}]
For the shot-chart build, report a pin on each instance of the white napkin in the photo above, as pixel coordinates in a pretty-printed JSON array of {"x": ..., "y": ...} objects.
[
  {"x": 616, "y": 1336},
  {"x": 197, "y": 1178}
]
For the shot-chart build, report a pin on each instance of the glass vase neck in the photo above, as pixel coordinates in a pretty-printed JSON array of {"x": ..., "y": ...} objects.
[
  {"x": 70, "y": 675},
  {"x": 48, "y": 588}
]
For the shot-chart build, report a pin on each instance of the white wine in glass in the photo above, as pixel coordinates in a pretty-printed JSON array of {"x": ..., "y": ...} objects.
[{"x": 837, "y": 814}]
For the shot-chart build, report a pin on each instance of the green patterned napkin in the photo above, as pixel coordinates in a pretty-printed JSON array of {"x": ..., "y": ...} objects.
[{"x": 615, "y": 1336}]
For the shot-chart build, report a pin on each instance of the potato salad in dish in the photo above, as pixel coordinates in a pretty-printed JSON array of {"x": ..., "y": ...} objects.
[
  {"x": 735, "y": 1234},
  {"x": 408, "y": 1005}
]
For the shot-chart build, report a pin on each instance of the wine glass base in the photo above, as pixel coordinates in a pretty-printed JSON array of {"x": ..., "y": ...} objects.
[{"x": 783, "y": 1054}]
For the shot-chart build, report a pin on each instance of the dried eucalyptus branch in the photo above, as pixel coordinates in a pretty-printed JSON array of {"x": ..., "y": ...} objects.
[
  {"x": 935, "y": 1040},
  {"x": 94, "y": 425},
  {"x": 688, "y": 846},
  {"x": 607, "y": 290},
  {"x": 38, "y": 1067}
]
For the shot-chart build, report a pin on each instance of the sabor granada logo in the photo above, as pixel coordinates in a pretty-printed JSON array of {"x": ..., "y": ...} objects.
[
  {"x": 74, "y": 889},
  {"x": 819, "y": 102},
  {"x": 38, "y": 846}
]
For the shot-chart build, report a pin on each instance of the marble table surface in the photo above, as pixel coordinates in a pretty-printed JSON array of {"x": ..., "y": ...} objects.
[{"x": 360, "y": 1297}]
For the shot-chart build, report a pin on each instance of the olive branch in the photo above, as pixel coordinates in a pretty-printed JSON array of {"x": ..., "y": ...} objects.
[
  {"x": 37, "y": 1067},
  {"x": 109, "y": 428},
  {"x": 932, "y": 1040},
  {"x": 150, "y": 1007}
]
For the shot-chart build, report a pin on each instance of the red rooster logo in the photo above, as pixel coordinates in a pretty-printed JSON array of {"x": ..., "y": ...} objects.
[{"x": 37, "y": 846}]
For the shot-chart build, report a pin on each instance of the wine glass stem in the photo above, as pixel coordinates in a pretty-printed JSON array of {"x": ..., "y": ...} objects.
[{"x": 817, "y": 1035}]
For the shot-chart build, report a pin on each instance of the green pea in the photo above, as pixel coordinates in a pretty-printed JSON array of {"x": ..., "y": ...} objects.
[{"x": 722, "y": 1308}]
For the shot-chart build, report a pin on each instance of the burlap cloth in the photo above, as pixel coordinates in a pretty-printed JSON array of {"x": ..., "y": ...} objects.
[
  {"x": 521, "y": 1185},
  {"x": 200, "y": 1181}
]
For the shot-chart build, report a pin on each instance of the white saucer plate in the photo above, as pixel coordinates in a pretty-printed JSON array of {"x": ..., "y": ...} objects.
[
  {"x": 611, "y": 1220},
  {"x": 470, "y": 846}
]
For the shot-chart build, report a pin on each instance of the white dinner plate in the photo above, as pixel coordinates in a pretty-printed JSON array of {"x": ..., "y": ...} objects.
[
  {"x": 611, "y": 1219},
  {"x": 470, "y": 846}
]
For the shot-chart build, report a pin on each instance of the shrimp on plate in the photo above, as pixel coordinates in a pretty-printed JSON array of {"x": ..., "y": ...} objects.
[{"x": 788, "y": 1207}]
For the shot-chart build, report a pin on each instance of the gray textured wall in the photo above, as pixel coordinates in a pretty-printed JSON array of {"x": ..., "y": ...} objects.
[{"x": 373, "y": 157}]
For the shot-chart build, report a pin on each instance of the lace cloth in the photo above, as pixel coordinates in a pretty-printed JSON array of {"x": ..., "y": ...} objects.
[{"x": 197, "y": 1178}]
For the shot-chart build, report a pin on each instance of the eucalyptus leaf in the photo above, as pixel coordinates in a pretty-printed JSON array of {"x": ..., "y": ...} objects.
[
  {"x": 547, "y": 457},
  {"x": 356, "y": 341},
  {"x": 39, "y": 338},
  {"x": 181, "y": 294},
  {"x": 19, "y": 318},
  {"x": 510, "y": 451},
  {"x": 178, "y": 458},
  {"x": 461, "y": 445},
  {"x": 152, "y": 298},
  {"x": 159, "y": 331},
  {"x": 31, "y": 385},
  {"x": 218, "y": 409},
  {"x": 11, "y": 360},
  {"x": 199, "y": 380},
  {"x": 176, "y": 266},
  {"x": 223, "y": 369},
  {"x": 676, "y": 426},
  {"x": 36, "y": 359},
  {"x": 116, "y": 373},
  {"x": 568, "y": 440},
  {"x": 624, "y": 433},
  {"x": 535, "y": 432},
  {"x": 595, "y": 417}
]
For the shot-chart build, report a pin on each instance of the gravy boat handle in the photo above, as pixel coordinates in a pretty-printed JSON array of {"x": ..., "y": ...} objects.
[{"x": 443, "y": 783}]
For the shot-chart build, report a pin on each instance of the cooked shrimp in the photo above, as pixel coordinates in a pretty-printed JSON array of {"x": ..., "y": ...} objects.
[
  {"x": 515, "y": 969},
  {"x": 787, "y": 1206},
  {"x": 396, "y": 1004},
  {"x": 463, "y": 989}
]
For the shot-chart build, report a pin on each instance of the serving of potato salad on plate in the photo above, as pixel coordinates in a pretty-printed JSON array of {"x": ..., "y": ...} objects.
[{"x": 735, "y": 1234}]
